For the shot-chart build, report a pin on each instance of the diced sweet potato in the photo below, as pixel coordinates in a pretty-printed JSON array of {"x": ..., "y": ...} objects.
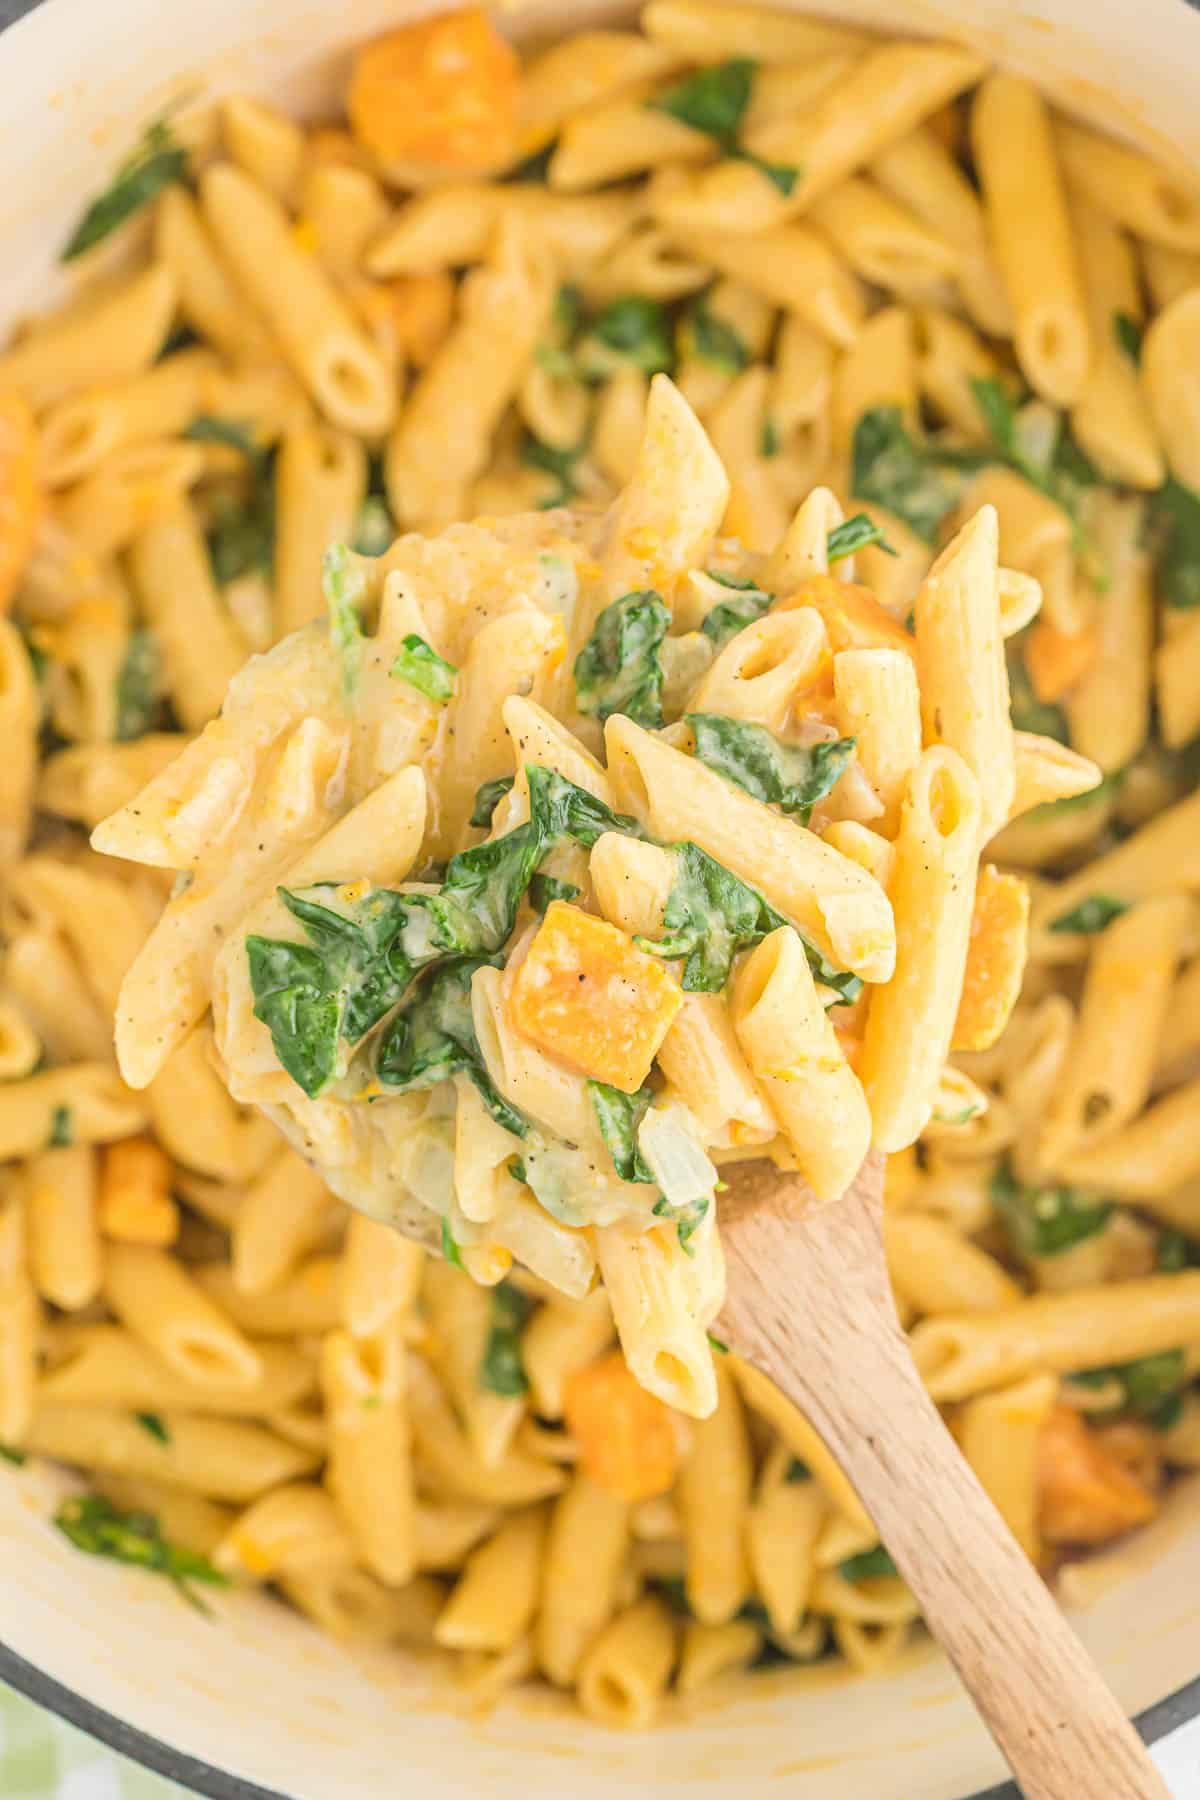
[
  {"x": 587, "y": 994},
  {"x": 853, "y": 616},
  {"x": 442, "y": 91},
  {"x": 624, "y": 1435},
  {"x": 21, "y": 495},
  {"x": 135, "y": 1204},
  {"x": 1055, "y": 661},
  {"x": 1085, "y": 1495},
  {"x": 995, "y": 959}
]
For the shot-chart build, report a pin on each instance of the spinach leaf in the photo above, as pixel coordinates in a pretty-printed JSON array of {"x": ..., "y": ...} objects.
[
  {"x": 868, "y": 1565},
  {"x": 713, "y": 100},
  {"x": 618, "y": 1116},
  {"x": 1061, "y": 474},
  {"x": 374, "y": 528},
  {"x": 241, "y": 531},
  {"x": 62, "y": 1129},
  {"x": 95, "y": 1525},
  {"x": 720, "y": 1348},
  {"x": 687, "y": 1219},
  {"x": 232, "y": 434},
  {"x": 1128, "y": 334},
  {"x": 544, "y": 890},
  {"x": 889, "y": 467},
  {"x": 156, "y": 162},
  {"x": 619, "y": 669},
  {"x": 1176, "y": 518},
  {"x": 141, "y": 687},
  {"x": 1045, "y": 1221},
  {"x": 432, "y": 1037},
  {"x": 710, "y": 915},
  {"x": 855, "y": 534},
  {"x": 312, "y": 997},
  {"x": 797, "y": 1471},
  {"x": 1176, "y": 1251},
  {"x": 1091, "y": 915},
  {"x": 502, "y": 1370},
  {"x": 1144, "y": 1383},
  {"x": 728, "y": 617},
  {"x": 711, "y": 339},
  {"x": 769, "y": 444},
  {"x": 631, "y": 329},
  {"x": 477, "y": 907},
  {"x": 450, "y": 1249},
  {"x": 535, "y": 166},
  {"x": 488, "y": 796},
  {"x": 424, "y": 669},
  {"x": 344, "y": 584},
  {"x": 783, "y": 176},
  {"x": 1028, "y": 713},
  {"x": 155, "y": 1425},
  {"x": 553, "y": 461},
  {"x": 15, "y": 1458},
  {"x": 558, "y": 809},
  {"x": 782, "y": 775}
]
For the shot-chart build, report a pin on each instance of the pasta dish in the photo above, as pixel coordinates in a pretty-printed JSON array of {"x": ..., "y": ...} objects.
[{"x": 614, "y": 611}]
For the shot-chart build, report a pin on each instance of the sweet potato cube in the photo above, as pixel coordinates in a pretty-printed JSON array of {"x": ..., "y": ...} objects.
[
  {"x": 441, "y": 91},
  {"x": 624, "y": 1435},
  {"x": 1085, "y": 1496},
  {"x": 853, "y": 617},
  {"x": 587, "y": 995},
  {"x": 995, "y": 959}
]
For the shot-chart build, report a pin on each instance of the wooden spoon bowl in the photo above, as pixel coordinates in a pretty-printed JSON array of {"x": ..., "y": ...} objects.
[{"x": 810, "y": 1306}]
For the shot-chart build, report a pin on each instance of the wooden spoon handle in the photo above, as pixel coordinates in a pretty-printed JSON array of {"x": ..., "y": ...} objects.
[{"x": 816, "y": 1316}]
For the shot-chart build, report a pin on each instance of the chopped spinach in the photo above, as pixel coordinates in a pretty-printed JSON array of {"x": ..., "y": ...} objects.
[
  {"x": 618, "y": 1116},
  {"x": 231, "y": 434},
  {"x": 769, "y": 444},
  {"x": 450, "y": 1249},
  {"x": 1176, "y": 520},
  {"x": 16, "y": 1458},
  {"x": 95, "y": 1525},
  {"x": 535, "y": 166},
  {"x": 502, "y": 1371},
  {"x": 344, "y": 584},
  {"x": 855, "y": 534},
  {"x": 314, "y": 996},
  {"x": 710, "y": 915},
  {"x": 141, "y": 687},
  {"x": 783, "y": 775},
  {"x": 1062, "y": 472},
  {"x": 728, "y": 617},
  {"x": 424, "y": 669},
  {"x": 630, "y": 330},
  {"x": 687, "y": 1219},
  {"x": 1176, "y": 1251},
  {"x": 868, "y": 1565},
  {"x": 797, "y": 1471},
  {"x": 619, "y": 669},
  {"x": 890, "y": 468},
  {"x": 1091, "y": 915},
  {"x": 433, "y": 1037},
  {"x": 713, "y": 100},
  {"x": 241, "y": 532},
  {"x": 62, "y": 1129},
  {"x": 553, "y": 461},
  {"x": 545, "y": 889},
  {"x": 1045, "y": 1221},
  {"x": 488, "y": 796},
  {"x": 1144, "y": 1384},
  {"x": 1128, "y": 333},
  {"x": 711, "y": 339},
  {"x": 155, "y": 1425},
  {"x": 559, "y": 809},
  {"x": 722, "y": 1349},
  {"x": 156, "y": 162}
]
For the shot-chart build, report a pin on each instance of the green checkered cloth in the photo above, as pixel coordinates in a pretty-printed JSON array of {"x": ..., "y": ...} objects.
[{"x": 43, "y": 1759}]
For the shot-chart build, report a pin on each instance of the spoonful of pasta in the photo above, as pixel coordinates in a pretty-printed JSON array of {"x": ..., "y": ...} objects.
[{"x": 592, "y": 895}]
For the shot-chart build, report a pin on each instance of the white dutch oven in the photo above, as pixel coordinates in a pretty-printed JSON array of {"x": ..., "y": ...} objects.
[{"x": 259, "y": 1704}]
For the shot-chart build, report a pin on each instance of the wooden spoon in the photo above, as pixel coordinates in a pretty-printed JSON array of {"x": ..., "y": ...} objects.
[{"x": 809, "y": 1305}]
